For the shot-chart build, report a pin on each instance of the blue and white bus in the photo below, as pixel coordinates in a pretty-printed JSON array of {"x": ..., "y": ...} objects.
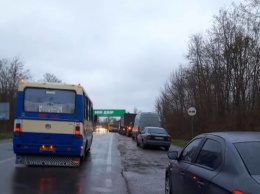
[{"x": 53, "y": 124}]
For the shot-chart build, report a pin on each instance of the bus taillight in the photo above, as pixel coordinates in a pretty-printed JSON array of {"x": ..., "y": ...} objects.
[
  {"x": 17, "y": 129},
  {"x": 77, "y": 129}
]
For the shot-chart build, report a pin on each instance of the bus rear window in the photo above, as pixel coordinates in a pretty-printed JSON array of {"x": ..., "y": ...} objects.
[{"x": 49, "y": 100}]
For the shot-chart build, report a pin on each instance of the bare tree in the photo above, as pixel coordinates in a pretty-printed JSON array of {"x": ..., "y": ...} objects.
[
  {"x": 11, "y": 73},
  {"x": 48, "y": 77},
  {"x": 221, "y": 79}
]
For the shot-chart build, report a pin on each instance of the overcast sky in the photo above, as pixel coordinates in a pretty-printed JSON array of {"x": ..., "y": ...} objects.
[{"x": 121, "y": 51}]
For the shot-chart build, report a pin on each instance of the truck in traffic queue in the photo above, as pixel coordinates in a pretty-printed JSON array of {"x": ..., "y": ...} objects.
[
  {"x": 113, "y": 127},
  {"x": 126, "y": 123}
]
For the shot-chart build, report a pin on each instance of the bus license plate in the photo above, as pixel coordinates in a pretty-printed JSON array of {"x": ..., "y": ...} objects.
[{"x": 47, "y": 149}]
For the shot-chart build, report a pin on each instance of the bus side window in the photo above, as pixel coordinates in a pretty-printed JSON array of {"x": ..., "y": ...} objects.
[
  {"x": 91, "y": 112},
  {"x": 86, "y": 107}
]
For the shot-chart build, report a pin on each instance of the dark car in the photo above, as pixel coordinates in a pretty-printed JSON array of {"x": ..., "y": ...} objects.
[
  {"x": 216, "y": 163},
  {"x": 154, "y": 136}
]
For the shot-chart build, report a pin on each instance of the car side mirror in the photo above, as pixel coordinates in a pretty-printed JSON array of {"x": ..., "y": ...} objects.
[{"x": 173, "y": 155}]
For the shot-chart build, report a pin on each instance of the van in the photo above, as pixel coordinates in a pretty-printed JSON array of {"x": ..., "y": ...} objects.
[{"x": 145, "y": 119}]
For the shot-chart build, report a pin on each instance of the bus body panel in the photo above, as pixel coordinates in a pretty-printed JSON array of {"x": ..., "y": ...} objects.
[
  {"x": 34, "y": 141},
  {"x": 48, "y": 126}
]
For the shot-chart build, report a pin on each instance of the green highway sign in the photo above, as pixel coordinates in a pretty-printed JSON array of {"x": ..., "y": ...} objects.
[{"x": 109, "y": 112}]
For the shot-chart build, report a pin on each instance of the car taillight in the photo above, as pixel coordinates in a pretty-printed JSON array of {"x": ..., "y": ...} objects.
[
  {"x": 169, "y": 139},
  {"x": 148, "y": 137},
  {"x": 17, "y": 129},
  {"x": 238, "y": 192}
]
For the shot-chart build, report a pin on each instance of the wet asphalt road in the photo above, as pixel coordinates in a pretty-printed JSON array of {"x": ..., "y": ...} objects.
[{"x": 115, "y": 165}]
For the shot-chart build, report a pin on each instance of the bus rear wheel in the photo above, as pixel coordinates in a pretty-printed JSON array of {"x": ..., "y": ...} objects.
[{"x": 86, "y": 150}]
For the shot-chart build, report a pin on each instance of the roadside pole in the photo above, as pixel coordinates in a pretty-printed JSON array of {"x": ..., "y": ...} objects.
[{"x": 192, "y": 111}]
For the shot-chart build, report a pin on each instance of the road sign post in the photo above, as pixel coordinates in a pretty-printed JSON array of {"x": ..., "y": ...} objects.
[{"x": 192, "y": 111}]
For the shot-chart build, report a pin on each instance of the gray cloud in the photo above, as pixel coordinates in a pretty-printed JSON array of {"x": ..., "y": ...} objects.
[{"x": 122, "y": 52}]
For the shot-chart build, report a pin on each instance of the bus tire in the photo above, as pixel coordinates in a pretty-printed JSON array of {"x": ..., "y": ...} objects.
[
  {"x": 83, "y": 157},
  {"x": 86, "y": 150}
]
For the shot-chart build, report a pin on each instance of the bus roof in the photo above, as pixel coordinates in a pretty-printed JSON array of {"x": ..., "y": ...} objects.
[{"x": 78, "y": 88}]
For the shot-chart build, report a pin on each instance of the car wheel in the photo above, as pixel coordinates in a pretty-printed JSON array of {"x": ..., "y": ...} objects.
[
  {"x": 143, "y": 145},
  {"x": 167, "y": 185},
  {"x": 166, "y": 148},
  {"x": 137, "y": 143}
]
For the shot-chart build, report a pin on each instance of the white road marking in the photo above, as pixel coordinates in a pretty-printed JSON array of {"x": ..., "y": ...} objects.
[
  {"x": 109, "y": 181},
  {"x": 109, "y": 151},
  {"x": 109, "y": 155},
  {"x": 6, "y": 160}
]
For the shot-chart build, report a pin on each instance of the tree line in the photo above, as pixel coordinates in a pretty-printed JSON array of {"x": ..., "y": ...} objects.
[
  {"x": 12, "y": 71},
  {"x": 221, "y": 78}
]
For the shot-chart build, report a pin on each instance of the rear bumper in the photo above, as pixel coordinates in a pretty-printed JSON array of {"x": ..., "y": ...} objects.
[
  {"x": 47, "y": 160},
  {"x": 60, "y": 150},
  {"x": 157, "y": 143},
  {"x": 65, "y": 145}
]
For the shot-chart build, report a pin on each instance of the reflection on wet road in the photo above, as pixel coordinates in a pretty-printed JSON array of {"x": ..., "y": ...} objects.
[
  {"x": 144, "y": 170},
  {"x": 115, "y": 165},
  {"x": 100, "y": 173}
]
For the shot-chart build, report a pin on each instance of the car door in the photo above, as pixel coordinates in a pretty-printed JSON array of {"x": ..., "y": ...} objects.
[
  {"x": 178, "y": 167},
  {"x": 207, "y": 165},
  {"x": 140, "y": 136}
]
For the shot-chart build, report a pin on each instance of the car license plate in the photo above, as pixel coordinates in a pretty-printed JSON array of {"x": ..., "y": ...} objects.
[{"x": 159, "y": 138}]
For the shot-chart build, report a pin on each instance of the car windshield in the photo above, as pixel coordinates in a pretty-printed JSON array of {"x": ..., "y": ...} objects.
[
  {"x": 157, "y": 130},
  {"x": 249, "y": 154}
]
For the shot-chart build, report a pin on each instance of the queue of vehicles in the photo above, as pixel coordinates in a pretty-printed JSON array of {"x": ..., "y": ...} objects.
[
  {"x": 211, "y": 163},
  {"x": 52, "y": 130},
  {"x": 146, "y": 129}
]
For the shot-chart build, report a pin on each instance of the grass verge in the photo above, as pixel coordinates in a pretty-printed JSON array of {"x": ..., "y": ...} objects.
[
  {"x": 180, "y": 142},
  {"x": 6, "y": 135}
]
